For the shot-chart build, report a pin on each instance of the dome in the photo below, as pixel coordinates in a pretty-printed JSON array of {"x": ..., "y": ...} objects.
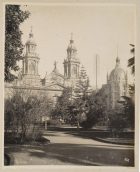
[{"x": 118, "y": 73}]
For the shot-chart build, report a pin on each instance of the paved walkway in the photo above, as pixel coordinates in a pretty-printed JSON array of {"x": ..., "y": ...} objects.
[{"x": 67, "y": 149}]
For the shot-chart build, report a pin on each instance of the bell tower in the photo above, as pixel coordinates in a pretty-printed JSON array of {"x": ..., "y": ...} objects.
[
  {"x": 31, "y": 59},
  {"x": 30, "y": 62},
  {"x": 71, "y": 63}
]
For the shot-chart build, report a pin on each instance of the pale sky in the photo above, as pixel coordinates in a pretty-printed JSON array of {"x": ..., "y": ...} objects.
[{"x": 96, "y": 30}]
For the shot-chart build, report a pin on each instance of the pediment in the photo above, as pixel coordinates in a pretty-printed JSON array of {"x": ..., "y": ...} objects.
[
  {"x": 54, "y": 80},
  {"x": 55, "y": 87}
]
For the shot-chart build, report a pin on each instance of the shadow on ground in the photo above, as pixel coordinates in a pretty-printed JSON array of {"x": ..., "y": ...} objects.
[
  {"x": 92, "y": 154},
  {"x": 77, "y": 154}
]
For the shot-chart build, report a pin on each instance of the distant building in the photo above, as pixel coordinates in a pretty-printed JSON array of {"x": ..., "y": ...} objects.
[
  {"x": 53, "y": 83},
  {"x": 117, "y": 85}
]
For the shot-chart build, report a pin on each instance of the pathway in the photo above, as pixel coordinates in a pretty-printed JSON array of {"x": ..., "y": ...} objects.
[{"x": 68, "y": 149}]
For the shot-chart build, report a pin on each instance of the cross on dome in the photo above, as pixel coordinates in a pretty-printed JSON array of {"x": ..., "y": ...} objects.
[
  {"x": 117, "y": 62},
  {"x": 31, "y": 32},
  {"x": 31, "y": 40}
]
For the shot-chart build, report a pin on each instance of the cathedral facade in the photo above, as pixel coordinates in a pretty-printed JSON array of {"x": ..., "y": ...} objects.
[{"x": 53, "y": 83}]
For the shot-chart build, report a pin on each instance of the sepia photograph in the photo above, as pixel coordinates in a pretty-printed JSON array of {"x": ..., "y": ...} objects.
[{"x": 69, "y": 85}]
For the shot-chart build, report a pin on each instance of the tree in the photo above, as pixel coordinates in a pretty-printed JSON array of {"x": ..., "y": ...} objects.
[
  {"x": 96, "y": 105},
  {"x": 117, "y": 122},
  {"x": 82, "y": 85},
  {"x": 80, "y": 95},
  {"x": 129, "y": 111},
  {"x": 131, "y": 61},
  {"x": 23, "y": 113},
  {"x": 14, "y": 16},
  {"x": 131, "y": 64},
  {"x": 122, "y": 117},
  {"x": 62, "y": 106},
  {"x": 71, "y": 103}
]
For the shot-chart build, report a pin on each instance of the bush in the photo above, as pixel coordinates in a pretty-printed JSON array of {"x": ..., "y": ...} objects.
[
  {"x": 122, "y": 117},
  {"x": 23, "y": 114},
  {"x": 117, "y": 122},
  {"x": 33, "y": 133},
  {"x": 90, "y": 121},
  {"x": 54, "y": 122}
]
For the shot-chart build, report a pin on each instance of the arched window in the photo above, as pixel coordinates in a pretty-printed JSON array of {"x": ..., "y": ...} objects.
[{"x": 32, "y": 68}]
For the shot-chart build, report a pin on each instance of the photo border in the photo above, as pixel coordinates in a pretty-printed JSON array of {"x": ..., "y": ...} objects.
[{"x": 136, "y": 3}]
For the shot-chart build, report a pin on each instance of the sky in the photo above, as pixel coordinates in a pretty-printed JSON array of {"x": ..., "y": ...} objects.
[{"x": 103, "y": 30}]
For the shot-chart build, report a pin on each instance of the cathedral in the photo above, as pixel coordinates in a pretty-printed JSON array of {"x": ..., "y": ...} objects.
[{"x": 53, "y": 83}]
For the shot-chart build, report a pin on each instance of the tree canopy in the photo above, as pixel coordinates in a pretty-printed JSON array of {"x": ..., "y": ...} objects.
[
  {"x": 82, "y": 84},
  {"x": 131, "y": 61},
  {"x": 14, "y": 16},
  {"x": 131, "y": 64}
]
